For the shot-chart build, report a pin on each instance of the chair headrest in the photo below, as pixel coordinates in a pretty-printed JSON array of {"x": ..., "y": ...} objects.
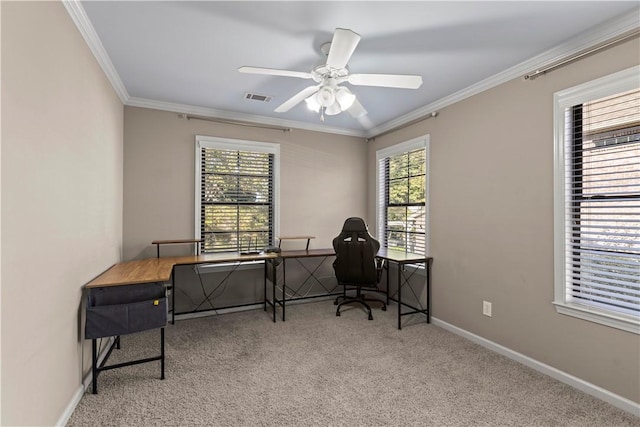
[{"x": 354, "y": 224}]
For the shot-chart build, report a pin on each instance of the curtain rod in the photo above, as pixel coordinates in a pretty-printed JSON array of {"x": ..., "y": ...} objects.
[
  {"x": 402, "y": 126},
  {"x": 234, "y": 122},
  {"x": 590, "y": 51}
]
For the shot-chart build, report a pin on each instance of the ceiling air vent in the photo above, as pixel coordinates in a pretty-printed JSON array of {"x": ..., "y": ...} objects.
[{"x": 257, "y": 97}]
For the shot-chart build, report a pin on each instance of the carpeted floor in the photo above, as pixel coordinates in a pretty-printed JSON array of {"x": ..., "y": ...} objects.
[{"x": 317, "y": 369}]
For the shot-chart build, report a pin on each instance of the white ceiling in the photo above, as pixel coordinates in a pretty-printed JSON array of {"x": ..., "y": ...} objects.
[{"x": 184, "y": 56}]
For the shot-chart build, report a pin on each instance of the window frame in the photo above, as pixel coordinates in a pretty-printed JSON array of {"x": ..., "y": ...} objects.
[
  {"x": 612, "y": 84},
  {"x": 236, "y": 145},
  {"x": 401, "y": 148}
]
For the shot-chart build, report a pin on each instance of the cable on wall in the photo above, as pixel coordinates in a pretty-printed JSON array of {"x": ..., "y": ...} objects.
[
  {"x": 234, "y": 122},
  {"x": 582, "y": 54},
  {"x": 404, "y": 125}
]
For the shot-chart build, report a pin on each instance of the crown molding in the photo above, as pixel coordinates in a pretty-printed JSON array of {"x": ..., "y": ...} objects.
[
  {"x": 588, "y": 39},
  {"x": 234, "y": 116},
  {"x": 79, "y": 17}
]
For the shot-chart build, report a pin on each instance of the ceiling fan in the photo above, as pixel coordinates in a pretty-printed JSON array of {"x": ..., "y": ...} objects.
[{"x": 327, "y": 96}]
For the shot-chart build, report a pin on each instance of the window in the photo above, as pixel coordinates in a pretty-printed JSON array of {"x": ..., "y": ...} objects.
[
  {"x": 402, "y": 196},
  {"x": 236, "y": 185},
  {"x": 597, "y": 201}
]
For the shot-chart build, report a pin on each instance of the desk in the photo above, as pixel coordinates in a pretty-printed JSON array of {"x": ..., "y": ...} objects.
[
  {"x": 402, "y": 259},
  {"x": 296, "y": 255},
  {"x": 141, "y": 273},
  {"x": 271, "y": 261},
  {"x": 114, "y": 308},
  {"x": 161, "y": 270},
  {"x": 215, "y": 258}
]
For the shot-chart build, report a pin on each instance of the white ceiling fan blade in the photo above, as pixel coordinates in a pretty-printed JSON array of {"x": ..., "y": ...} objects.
[
  {"x": 386, "y": 80},
  {"x": 297, "y": 98},
  {"x": 274, "y": 72},
  {"x": 342, "y": 46},
  {"x": 357, "y": 110}
]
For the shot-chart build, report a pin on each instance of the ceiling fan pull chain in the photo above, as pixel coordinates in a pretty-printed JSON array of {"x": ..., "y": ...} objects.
[{"x": 322, "y": 114}]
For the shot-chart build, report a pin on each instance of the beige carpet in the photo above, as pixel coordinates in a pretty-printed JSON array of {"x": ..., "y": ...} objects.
[{"x": 242, "y": 369}]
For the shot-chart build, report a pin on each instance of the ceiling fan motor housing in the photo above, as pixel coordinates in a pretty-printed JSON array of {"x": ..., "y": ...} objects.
[{"x": 323, "y": 72}]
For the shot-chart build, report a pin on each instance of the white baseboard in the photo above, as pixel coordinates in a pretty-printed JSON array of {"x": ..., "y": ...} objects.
[
  {"x": 592, "y": 389},
  {"x": 86, "y": 382},
  {"x": 75, "y": 399}
]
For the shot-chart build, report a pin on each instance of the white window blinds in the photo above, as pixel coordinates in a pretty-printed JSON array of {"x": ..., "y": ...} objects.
[
  {"x": 402, "y": 198},
  {"x": 602, "y": 203},
  {"x": 236, "y": 209}
]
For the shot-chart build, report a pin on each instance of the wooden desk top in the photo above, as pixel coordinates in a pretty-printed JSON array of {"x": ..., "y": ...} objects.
[
  {"x": 159, "y": 269},
  {"x": 134, "y": 272}
]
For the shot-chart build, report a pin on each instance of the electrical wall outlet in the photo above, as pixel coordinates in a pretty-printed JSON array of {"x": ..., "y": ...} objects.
[{"x": 486, "y": 308}]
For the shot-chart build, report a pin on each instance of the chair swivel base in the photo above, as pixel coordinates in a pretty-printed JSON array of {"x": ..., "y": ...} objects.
[{"x": 360, "y": 300}]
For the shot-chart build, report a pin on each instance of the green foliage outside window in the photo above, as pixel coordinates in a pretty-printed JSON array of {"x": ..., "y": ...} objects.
[{"x": 406, "y": 201}]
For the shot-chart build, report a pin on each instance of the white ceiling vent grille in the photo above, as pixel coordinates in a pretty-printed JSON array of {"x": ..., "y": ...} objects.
[{"x": 257, "y": 97}]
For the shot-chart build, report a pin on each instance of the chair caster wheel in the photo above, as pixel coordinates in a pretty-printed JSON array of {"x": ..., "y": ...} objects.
[
  {"x": 370, "y": 317},
  {"x": 337, "y": 313},
  {"x": 335, "y": 302}
]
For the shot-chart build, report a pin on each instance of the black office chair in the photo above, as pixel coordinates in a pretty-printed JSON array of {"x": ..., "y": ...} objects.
[{"x": 356, "y": 265}]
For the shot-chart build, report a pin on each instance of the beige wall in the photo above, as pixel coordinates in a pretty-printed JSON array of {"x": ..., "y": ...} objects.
[
  {"x": 322, "y": 182},
  {"x": 62, "y": 204},
  {"x": 492, "y": 225},
  {"x": 63, "y": 170},
  {"x": 322, "y": 178}
]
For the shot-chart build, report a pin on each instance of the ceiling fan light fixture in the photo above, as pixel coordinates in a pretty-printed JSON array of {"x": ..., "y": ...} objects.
[
  {"x": 326, "y": 96},
  {"x": 312, "y": 103},
  {"x": 333, "y": 109},
  {"x": 345, "y": 98}
]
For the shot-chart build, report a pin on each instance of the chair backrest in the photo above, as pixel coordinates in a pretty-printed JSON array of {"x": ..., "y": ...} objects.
[{"x": 356, "y": 250}]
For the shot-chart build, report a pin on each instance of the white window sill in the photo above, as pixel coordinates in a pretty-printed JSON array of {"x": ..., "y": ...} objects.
[{"x": 618, "y": 321}]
